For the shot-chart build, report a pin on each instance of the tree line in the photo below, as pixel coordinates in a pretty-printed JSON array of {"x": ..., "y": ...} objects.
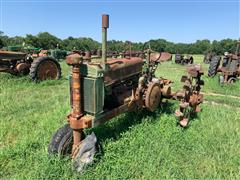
[{"x": 47, "y": 41}]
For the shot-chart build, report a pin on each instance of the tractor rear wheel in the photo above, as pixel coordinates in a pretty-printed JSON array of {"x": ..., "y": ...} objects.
[
  {"x": 214, "y": 64},
  {"x": 44, "y": 68}
]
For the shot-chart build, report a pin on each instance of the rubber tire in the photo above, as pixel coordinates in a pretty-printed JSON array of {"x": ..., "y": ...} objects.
[
  {"x": 88, "y": 145},
  {"x": 57, "y": 139},
  {"x": 191, "y": 60},
  {"x": 214, "y": 64},
  {"x": 35, "y": 64},
  {"x": 232, "y": 80}
]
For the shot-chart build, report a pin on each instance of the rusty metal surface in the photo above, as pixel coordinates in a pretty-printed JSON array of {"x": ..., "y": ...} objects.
[
  {"x": 155, "y": 56},
  {"x": 105, "y": 21},
  {"x": 47, "y": 70},
  {"x": 74, "y": 59},
  {"x": 153, "y": 96},
  {"x": 160, "y": 57},
  {"x": 10, "y": 55},
  {"x": 120, "y": 69},
  {"x": 166, "y": 91},
  {"x": 190, "y": 96},
  {"x": 113, "y": 113},
  {"x": 23, "y": 68},
  {"x": 43, "y": 53},
  {"x": 165, "y": 56},
  {"x": 75, "y": 119},
  {"x": 194, "y": 70}
]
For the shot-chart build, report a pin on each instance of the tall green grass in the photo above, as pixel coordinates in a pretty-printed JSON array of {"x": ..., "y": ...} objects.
[{"x": 138, "y": 145}]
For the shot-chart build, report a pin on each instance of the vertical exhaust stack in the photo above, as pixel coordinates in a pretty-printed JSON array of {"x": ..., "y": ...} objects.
[{"x": 105, "y": 25}]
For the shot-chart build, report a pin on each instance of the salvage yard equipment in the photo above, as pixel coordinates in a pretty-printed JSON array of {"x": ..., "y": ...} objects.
[
  {"x": 208, "y": 57},
  {"x": 184, "y": 60},
  {"x": 40, "y": 68},
  {"x": 102, "y": 90},
  {"x": 39, "y": 52},
  {"x": 230, "y": 68}
]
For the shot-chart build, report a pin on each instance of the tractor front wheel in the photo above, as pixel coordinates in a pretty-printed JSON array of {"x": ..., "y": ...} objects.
[
  {"x": 62, "y": 141},
  {"x": 83, "y": 154},
  {"x": 44, "y": 68}
]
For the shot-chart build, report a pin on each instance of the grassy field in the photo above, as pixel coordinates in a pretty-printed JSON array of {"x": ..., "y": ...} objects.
[{"x": 135, "y": 145}]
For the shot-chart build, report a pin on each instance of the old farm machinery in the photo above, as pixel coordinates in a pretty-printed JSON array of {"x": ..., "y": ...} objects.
[
  {"x": 230, "y": 68},
  {"x": 39, "y": 68},
  {"x": 183, "y": 60},
  {"x": 104, "y": 89}
]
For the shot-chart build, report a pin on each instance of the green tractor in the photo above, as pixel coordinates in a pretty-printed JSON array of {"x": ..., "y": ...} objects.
[
  {"x": 230, "y": 68},
  {"x": 102, "y": 89},
  {"x": 22, "y": 63}
]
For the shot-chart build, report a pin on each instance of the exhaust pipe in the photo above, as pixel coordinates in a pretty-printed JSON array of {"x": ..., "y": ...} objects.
[{"x": 105, "y": 25}]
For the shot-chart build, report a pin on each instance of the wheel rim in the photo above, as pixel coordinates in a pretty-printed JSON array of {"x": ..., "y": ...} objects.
[{"x": 47, "y": 70}]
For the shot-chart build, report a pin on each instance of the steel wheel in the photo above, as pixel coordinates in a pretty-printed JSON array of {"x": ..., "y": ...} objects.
[
  {"x": 45, "y": 68},
  {"x": 153, "y": 97}
]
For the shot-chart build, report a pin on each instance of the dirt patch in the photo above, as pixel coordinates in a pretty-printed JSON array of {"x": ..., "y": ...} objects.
[
  {"x": 220, "y": 104},
  {"x": 222, "y": 95}
]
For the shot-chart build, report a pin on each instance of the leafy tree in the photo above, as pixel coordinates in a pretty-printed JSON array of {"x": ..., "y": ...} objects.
[{"x": 46, "y": 40}]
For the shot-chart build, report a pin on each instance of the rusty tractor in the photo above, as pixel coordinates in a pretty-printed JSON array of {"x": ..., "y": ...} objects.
[
  {"x": 102, "y": 90},
  {"x": 183, "y": 60},
  {"x": 39, "y": 68},
  {"x": 208, "y": 57},
  {"x": 230, "y": 68}
]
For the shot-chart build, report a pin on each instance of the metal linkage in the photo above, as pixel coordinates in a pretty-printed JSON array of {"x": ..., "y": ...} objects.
[{"x": 190, "y": 96}]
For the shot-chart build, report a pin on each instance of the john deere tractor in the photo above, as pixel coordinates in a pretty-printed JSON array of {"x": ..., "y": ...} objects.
[
  {"x": 39, "y": 68},
  {"x": 230, "y": 67},
  {"x": 103, "y": 89}
]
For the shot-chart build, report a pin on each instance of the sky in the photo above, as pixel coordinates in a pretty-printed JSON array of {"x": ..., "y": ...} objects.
[{"x": 136, "y": 20}]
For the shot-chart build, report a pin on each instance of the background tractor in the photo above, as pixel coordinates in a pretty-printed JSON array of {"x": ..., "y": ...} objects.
[
  {"x": 184, "y": 60},
  {"x": 230, "y": 68},
  {"x": 208, "y": 57},
  {"x": 103, "y": 89},
  {"x": 39, "y": 68},
  {"x": 56, "y": 53}
]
